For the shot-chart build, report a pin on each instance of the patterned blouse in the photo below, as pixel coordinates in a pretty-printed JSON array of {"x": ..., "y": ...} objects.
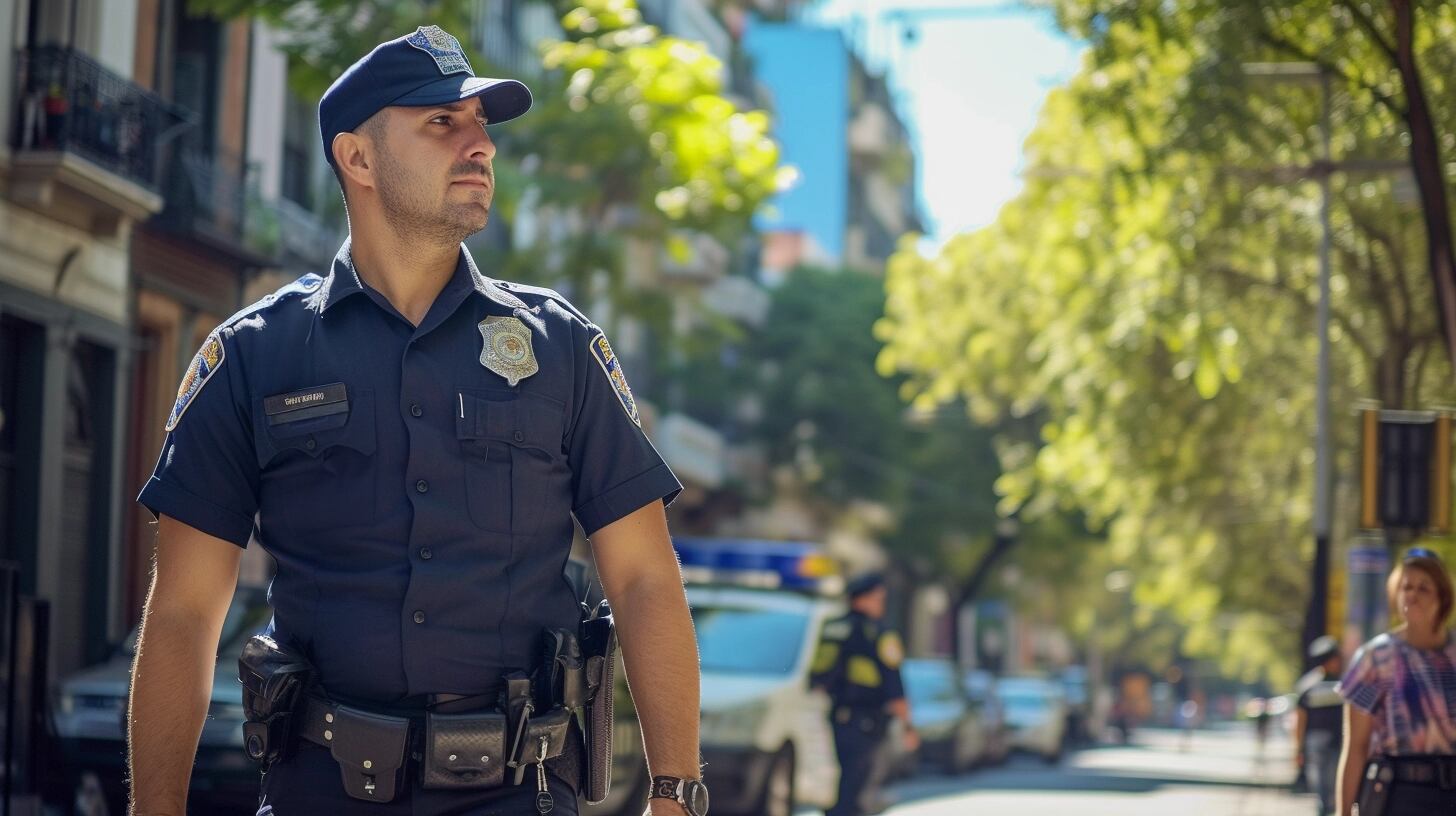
[{"x": 1410, "y": 692}]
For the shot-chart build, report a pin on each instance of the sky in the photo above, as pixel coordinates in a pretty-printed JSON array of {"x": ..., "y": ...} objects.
[{"x": 970, "y": 87}]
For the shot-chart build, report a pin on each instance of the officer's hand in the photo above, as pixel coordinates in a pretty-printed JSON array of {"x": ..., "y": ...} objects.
[
  {"x": 912, "y": 740},
  {"x": 664, "y": 807},
  {"x": 1299, "y": 759}
]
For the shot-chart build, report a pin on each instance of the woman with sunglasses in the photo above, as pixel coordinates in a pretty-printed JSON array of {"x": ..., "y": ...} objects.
[{"x": 1399, "y": 757}]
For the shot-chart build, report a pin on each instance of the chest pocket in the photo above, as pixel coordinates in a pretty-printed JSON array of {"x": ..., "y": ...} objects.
[
  {"x": 512, "y": 447},
  {"x": 321, "y": 470}
]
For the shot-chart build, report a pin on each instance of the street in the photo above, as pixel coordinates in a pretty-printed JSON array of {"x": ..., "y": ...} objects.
[{"x": 1222, "y": 774}]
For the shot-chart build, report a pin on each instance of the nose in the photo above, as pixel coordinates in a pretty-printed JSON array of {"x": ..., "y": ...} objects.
[{"x": 481, "y": 147}]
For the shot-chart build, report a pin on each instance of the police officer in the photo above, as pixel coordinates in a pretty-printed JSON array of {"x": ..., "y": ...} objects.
[
  {"x": 1317, "y": 721},
  {"x": 858, "y": 665},
  {"x": 410, "y": 440}
]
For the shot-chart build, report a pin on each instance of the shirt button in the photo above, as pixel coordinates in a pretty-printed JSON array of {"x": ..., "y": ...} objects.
[
  {"x": 416, "y": 410},
  {"x": 425, "y": 554},
  {"x": 419, "y": 616},
  {"x": 311, "y": 443},
  {"x": 422, "y": 486},
  {"x": 518, "y": 436}
]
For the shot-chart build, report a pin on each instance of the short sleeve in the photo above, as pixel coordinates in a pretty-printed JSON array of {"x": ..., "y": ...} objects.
[
  {"x": 1362, "y": 686},
  {"x": 207, "y": 474},
  {"x": 615, "y": 470}
]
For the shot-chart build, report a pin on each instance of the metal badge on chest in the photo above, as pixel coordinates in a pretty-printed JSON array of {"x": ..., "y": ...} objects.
[{"x": 507, "y": 350}]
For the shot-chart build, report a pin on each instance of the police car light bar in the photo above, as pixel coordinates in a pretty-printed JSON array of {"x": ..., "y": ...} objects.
[{"x": 758, "y": 564}]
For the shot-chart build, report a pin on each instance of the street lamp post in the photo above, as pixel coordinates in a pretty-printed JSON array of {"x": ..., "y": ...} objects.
[{"x": 1318, "y": 609}]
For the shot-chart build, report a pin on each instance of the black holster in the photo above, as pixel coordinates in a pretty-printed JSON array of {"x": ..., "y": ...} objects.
[
  {"x": 599, "y": 652},
  {"x": 273, "y": 677}
]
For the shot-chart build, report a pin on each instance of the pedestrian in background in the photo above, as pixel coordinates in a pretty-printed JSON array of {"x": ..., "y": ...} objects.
[
  {"x": 858, "y": 666},
  {"x": 1317, "y": 721},
  {"x": 1400, "y": 721}
]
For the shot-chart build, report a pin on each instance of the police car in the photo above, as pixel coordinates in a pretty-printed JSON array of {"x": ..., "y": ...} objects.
[{"x": 758, "y": 607}]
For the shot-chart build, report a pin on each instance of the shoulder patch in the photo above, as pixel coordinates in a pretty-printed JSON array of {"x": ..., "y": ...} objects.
[
  {"x": 208, "y": 360},
  {"x": 892, "y": 652},
  {"x": 612, "y": 367}
]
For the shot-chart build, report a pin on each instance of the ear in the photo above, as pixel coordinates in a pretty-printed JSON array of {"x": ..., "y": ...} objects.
[{"x": 353, "y": 156}]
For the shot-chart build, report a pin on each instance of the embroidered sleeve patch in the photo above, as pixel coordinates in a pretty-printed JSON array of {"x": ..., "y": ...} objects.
[
  {"x": 208, "y": 360},
  {"x": 612, "y": 367}
]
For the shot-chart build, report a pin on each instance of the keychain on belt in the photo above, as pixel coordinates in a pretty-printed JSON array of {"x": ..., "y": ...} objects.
[{"x": 544, "y": 802}]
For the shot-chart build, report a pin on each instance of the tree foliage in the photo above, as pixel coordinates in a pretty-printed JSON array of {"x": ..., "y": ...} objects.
[{"x": 1148, "y": 300}]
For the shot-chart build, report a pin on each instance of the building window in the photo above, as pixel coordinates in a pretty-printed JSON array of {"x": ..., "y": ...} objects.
[{"x": 299, "y": 137}]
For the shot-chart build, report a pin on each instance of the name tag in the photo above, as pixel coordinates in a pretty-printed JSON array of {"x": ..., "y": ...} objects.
[{"x": 309, "y": 403}]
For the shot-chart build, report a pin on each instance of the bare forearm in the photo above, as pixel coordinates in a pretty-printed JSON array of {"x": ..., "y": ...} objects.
[
  {"x": 1352, "y": 765},
  {"x": 660, "y": 652},
  {"x": 171, "y": 681}
]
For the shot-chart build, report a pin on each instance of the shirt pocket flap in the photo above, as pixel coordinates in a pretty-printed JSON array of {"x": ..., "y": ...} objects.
[
  {"x": 522, "y": 421},
  {"x": 350, "y": 429}
]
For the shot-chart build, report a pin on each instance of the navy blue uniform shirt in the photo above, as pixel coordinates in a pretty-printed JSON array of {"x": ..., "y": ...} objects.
[{"x": 417, "y": 504}]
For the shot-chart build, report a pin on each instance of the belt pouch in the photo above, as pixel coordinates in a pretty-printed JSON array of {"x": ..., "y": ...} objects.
[
  {"x": 370, "y": 751},
  {"x": 464, "y": 750}
]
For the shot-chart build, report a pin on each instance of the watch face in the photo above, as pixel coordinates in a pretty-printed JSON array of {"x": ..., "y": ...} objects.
[{"x": 696, "y": 794}]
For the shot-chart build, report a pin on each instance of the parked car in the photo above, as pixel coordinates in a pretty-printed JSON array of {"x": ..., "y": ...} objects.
[
  {"x": 1036, "y": 710},
  {"x": 951, "y": 733},
  {"x": 90, "y": 722},
  {"x": 980, "y": 687}
]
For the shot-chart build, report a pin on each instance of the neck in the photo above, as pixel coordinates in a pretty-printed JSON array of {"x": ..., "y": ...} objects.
[
  {"x": 408, "y": 271},
  {"x": 1422, "y": 637}
]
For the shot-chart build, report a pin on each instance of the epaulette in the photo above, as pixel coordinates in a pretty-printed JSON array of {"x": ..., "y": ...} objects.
[
  {"x": 545, "y": 292},
  {"x": 306, "y": 285}
]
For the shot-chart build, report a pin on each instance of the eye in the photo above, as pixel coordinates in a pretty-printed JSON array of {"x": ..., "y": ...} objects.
[{"x": 443, "y": 119}]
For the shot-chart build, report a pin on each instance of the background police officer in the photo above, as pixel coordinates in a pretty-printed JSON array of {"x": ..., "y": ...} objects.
[
  {"x": 858, "y": 665},
  {"x": 1317, "y": 721},
  {"x": 410, "y": 440}
]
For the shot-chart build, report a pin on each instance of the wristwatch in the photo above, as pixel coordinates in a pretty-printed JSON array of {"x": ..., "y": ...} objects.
[{"x": 692, "y": 794}]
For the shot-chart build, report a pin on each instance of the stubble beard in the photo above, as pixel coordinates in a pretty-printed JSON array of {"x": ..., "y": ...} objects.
[{"x": 409, "y": 209}]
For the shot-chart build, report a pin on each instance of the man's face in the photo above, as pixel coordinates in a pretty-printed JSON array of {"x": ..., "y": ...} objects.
[
  {"x": 433, "y": 170},
  {"x": 872, "y": 603}
]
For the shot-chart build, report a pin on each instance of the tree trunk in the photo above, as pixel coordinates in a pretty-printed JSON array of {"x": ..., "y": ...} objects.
[
  {"x": 1001, "y": 544},
  {"x": 1425, "y": 154}
]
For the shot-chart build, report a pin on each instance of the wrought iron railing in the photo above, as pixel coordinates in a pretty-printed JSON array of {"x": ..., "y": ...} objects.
[{"x": 67, "y": 101}]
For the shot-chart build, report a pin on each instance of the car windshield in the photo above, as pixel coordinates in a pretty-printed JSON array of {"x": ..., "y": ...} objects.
[
  {"x": 249, "y": 613},
  {"x": 929, "y": 681},
  {"x": 744, "y": 640}
]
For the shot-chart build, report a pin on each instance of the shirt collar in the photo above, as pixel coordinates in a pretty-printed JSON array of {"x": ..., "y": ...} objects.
[{"x": 343, "y": 281}]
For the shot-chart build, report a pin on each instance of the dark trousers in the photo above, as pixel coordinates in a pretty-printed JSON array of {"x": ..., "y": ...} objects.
[
  {"x": 1321, "y": 763},
  {"x": 856, "y": 743},
  {"x": 309, "y": 784}
]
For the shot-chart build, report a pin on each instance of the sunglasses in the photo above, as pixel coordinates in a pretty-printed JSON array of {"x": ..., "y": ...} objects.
[{"x": 1419, "y": 552}]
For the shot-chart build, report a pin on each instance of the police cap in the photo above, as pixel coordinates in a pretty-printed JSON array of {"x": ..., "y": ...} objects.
[
  {"x": 864, "y": 584},
  {"x": 427, "y": 67},
  {"x": 1323, "y": 648}
]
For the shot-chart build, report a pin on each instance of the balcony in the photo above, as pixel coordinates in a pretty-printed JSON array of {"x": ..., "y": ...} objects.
[
  {"x": 206, "y": 191},
  {"x": 86, "y": 141}
]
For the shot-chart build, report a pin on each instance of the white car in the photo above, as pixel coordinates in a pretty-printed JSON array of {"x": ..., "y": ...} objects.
[
  {"x": 1036, "y": 712},
  {"x": 766, "y": 738}
]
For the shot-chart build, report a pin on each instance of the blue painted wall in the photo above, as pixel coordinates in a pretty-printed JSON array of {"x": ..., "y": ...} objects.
[{"x": 807, "y": 71}]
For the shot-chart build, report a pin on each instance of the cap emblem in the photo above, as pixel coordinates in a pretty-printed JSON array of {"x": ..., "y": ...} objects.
[{"x": 442, "y": 47}]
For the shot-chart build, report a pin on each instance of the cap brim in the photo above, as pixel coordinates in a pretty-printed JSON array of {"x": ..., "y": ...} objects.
[{"x": 504, "y": 99}]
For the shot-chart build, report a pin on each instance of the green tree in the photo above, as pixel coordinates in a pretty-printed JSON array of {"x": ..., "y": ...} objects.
[{"x": 1148, "y": 302}]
